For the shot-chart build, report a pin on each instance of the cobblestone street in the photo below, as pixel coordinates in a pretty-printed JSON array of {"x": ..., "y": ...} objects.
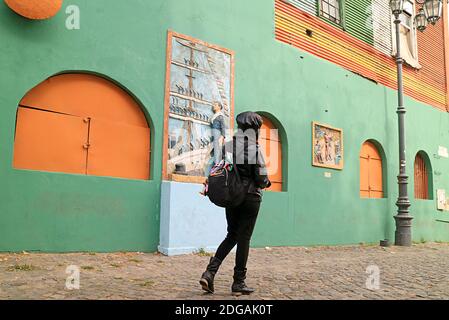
[{"x": 418, "y": 272}]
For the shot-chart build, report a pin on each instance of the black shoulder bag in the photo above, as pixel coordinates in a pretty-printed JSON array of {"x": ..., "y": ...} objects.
[{"x": 225, "y": 187}]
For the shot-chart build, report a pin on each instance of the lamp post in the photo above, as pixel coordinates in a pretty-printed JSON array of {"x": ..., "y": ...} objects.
[{"x": 430, "y": 12}]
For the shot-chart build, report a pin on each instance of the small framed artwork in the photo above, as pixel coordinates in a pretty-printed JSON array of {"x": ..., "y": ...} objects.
[{"x": 327, "y": 150}]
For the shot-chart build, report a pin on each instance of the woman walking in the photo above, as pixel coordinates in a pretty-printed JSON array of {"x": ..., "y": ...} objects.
[{"x": 241, "y": 219}]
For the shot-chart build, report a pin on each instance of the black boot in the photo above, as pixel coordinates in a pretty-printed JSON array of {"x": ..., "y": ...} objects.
[
  {"x": 238, "y": 286},
  {"x": 207, "y": 279}
]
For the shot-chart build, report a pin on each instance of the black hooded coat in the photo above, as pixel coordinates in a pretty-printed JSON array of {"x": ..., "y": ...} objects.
[{"x": 248, "y": 157}]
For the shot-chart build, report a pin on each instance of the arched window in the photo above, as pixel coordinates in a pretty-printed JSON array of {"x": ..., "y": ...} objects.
[
  {"x": 271, "y": 145},
  {"x": 371, "y": 184},
  {"x": 421, "y": 177},
  {"x": 83, "y": 124}
]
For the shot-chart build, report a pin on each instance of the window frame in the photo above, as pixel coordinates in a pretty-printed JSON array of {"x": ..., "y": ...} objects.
[
  {"x": 341, "y": 4},
  {"x": 414, "y": 63}
]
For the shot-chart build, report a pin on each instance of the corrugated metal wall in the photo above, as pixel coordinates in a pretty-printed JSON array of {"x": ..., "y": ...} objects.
[
  {"x": 358, "y": 19},
  {"x": 431, "y": 57},
  {"x": 309, "y": 6},
  {"x": 331, "y": 43},
  {"x": 381, "y": 19},
  {"x": 367, "y": 20}
]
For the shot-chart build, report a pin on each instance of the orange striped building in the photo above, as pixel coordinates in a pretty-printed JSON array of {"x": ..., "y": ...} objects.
[{"x": 310, "y": 33}]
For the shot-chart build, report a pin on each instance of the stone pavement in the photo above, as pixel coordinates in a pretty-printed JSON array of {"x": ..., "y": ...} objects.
[{"x": 418, "y": 272}]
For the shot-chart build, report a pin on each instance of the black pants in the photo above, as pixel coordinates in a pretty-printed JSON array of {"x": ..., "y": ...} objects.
[{"x": 241, "y": 221}]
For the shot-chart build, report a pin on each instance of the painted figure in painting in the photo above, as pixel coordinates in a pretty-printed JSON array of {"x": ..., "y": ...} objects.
[
  {"x": 318, "y": 151},
  {"x": 329, "y": 145},
  {"x": 218, "y": 128}
]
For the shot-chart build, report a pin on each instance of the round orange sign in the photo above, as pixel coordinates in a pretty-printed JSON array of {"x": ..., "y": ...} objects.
[{"x": 35, "y": 9}]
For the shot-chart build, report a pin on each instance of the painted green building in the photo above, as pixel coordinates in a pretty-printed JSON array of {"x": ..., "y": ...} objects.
[{"x": 126, "y": 42}]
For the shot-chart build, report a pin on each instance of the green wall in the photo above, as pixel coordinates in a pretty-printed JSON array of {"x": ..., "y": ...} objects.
[{"x": 127, "y": 42}]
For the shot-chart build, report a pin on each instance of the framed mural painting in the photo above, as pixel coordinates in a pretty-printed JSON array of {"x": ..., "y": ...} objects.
[
  {"x": 198, "y": 76},
  {"x": 327, "y": 145}
]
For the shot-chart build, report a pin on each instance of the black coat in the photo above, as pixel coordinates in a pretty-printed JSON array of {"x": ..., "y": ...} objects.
[{"x": 250, "y": 162}]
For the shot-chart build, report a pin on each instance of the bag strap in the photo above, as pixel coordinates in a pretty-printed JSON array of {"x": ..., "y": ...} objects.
[{"x": 234, "y": 165}]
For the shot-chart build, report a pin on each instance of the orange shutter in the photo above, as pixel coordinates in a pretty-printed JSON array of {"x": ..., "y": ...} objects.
[
  {"x": 421, "y": 183},
  {"x": 50, "y": 141},
  {"x": 86, "y": 95},
  {"x": 271, "y": 147},
  {"x": 117, "y": 150},
  {"x": 56, "y": 138},
  {"x": 364, "y": 173},
  {"x": 371, "y": 184}
]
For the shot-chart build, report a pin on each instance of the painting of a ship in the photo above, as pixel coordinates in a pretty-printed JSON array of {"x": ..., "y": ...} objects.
[{"x": 200, "y": 75}]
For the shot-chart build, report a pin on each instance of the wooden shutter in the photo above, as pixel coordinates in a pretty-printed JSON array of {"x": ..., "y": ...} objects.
[
  {"x": 118, "y": 150},
  {"x": 50, "y": 141},
  {"x": 271, "y": 147},
  {"x": 421, "y": 178},
  {"x": 371, "y": 184},
  {"x": 364, "y": 176},
  {"x": 81, "y": 123},
  {"x": 358, "y": 19},
  {"x": 309, "y": 6},
  {"x": 86, "y": 95},
  {"x": 381, "y": 20}
]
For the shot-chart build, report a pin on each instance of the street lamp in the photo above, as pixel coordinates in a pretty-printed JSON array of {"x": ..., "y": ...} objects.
[
  {"x": 421, "y": 20},
  {"x": 431, "y": 12},
  {"x": 397, "y": 6}
]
